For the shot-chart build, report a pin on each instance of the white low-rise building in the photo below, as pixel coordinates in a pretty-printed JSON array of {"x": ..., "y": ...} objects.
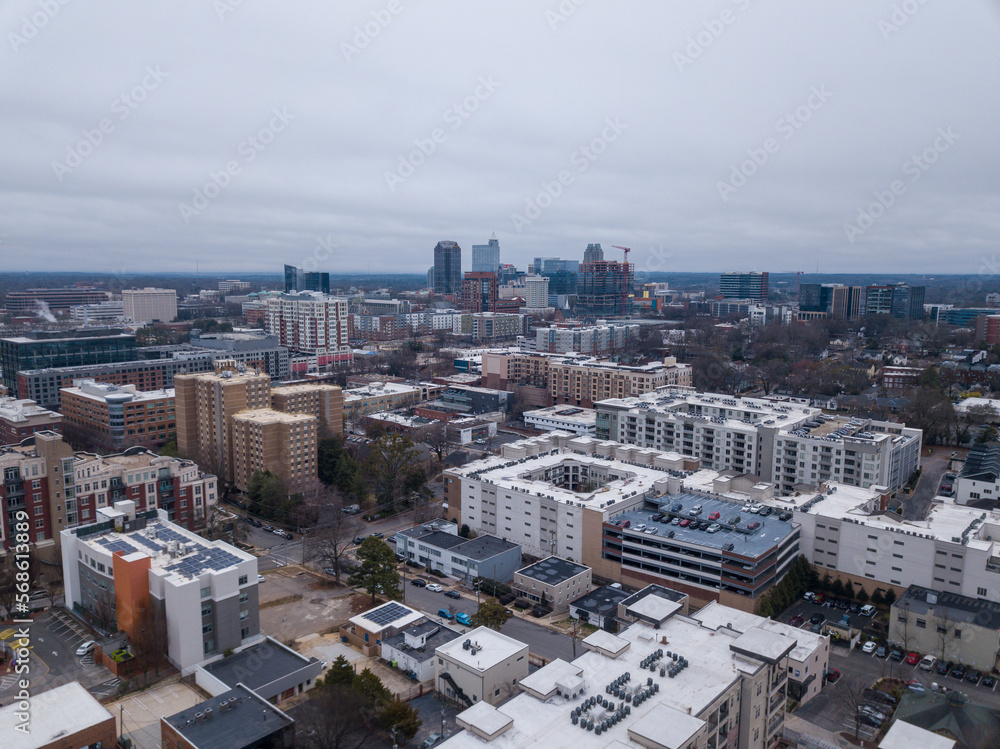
[
  {"x": 484, "y": 665},
  {"x": 580, "y": 421},
  {"x": 412, "y": 650}
]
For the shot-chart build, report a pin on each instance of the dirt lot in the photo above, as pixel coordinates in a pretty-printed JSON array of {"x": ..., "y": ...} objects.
[{"x": 295, "y": 602}]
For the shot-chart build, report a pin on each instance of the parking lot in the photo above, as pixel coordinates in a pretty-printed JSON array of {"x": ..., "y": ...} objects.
[
  {"x": 54, "y": 638},
  {"x": 138, "y": 717}
]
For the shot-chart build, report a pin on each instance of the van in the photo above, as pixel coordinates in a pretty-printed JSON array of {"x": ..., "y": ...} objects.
[
  {"x": 868, "y": 610},
  {"x": 926, "y": 663}
]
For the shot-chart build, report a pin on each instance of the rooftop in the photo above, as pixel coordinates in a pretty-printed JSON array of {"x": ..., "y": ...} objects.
[
  {"x": 238, "y": 718},
  {"x": 903, "y": 735},
  {"x": 17, "y": 410},
  {"x": 75, "y": 707},
  {"x": 602, "y": 601},
  {"x": 552, "y": 570},
  {"x": 171, "y": 548},
  {"x": 389, "y": 614},
  {"x": 714, "y": 668},
  {"x": 957, "y": 608},
  {"x": 105, "y": 391},
  {"x": 715, "y": 615},
  {"x": 487, "y": 649},
  {"x": 258, "y": 665},
  {"x": 567, "y": 414},
  {"x": 377, "y": 389},
  {"x": 270, "y": 416},
  {"x": 435, "y": 636},
  {"x": 983, "y": 462}
]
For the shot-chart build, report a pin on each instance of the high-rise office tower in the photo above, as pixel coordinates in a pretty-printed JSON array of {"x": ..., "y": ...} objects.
[
  {"x": 899, "y": 300},
  {"x": 838, "y": 300},
  {"x": 751, "y": 285},
  {"x": 605, "y": 288},
  {"x": 447, "y": 267},
  {"x": 297, "y": 279},
  {"x": 593, "y": 253},
  {"x": 486, "y": 257}
]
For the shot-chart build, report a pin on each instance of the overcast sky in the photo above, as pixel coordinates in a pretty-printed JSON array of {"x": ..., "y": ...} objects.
[{"x": 725, "y": 135}]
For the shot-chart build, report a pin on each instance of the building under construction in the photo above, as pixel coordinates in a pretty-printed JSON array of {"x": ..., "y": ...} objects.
[{"x": 605, "y": 288}]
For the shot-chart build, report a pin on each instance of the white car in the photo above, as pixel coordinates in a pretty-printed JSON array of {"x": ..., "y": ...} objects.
[
  {"x": 434, "y": 587},
  {"x": 86, "y": 647},
  {"x": 260, "y": 578},
  {"x": 869, "y": 647}
]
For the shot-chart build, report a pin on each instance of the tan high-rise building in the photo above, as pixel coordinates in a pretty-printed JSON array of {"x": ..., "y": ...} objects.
[
  {"x": 205, "y": 405},
  {"x": 267, "y": 440},
  {"x": 325, "y": 402}
]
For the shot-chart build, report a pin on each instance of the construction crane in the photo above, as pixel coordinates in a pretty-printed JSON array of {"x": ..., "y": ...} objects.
[
  {"x": 626, "y": 250},
  {"x": 798, "y": 281}
]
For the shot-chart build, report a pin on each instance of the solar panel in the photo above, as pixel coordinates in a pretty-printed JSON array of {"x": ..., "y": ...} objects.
[{"x": 387, "y": 614}]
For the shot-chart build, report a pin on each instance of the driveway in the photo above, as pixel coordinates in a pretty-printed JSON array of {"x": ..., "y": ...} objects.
[{"x": 917, "y": 505}]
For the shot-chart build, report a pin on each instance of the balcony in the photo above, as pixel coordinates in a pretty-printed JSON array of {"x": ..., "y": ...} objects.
[{"x": 781, "y": 678}]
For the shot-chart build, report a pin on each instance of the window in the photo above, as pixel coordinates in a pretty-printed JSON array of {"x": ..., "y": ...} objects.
[
  {"x": 206, "y": 609},
  {"x": 981, "y": 591},
  {"x": 921, "y": 624},
  {"x": 206, "y": 628},
  {"x": 206, "y": 592},
  {"x": 244, "y": 615},
  {"x": 244, "y": 597},
  {"x": 243, "y": 579}
]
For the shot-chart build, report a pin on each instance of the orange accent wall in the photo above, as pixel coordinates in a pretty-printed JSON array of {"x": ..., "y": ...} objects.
[{"x": 131, "y": 590}]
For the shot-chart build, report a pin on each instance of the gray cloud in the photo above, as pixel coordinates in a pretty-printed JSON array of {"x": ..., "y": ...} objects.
[{"x": 373, "y": 87}]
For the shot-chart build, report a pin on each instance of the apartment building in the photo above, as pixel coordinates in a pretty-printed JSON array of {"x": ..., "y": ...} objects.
[
  {"x": 310, "y": 323},
  {"x": 596, "y": 340},
  {"x": 579, "y": 421},
  {"x": 150, "y": 305},
  {"x": 267, "y": 440},
  {"x": 205, "y": 406},
  {"x": 949, "y": 626},
  {"x": 112, "y": 417},
  {"x": 552, "y": 493},
  {"x": 493, "y": 326},
  {"x": 50, "y": 488},
  {"x": 793, "y": 445},
  {"x": 201, "y": 594},
  {"x": 21, "y": 417},
  {"x": 325, "y": 402},
  {"x": 577, "y": 380},
  {"x": 668, "y": 680},
  {"x": 438, "y": 546},
  {"x": 42, "y": 349},
  {"x": 484, "y": 666},
  {"x": 552, "y": 581}
]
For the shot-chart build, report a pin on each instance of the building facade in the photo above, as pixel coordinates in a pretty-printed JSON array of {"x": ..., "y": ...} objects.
[
  {"x": 536, "y": 292},
  {"x": 20, "y": 418},
  {"x": 150, "y": 305},
  {"x": 596, "y": 340},
  {"x": 32, "y": 300},
  {"x": 482, "y": 666},
  {"x": 311, "y": 324},
  {"x": 447, "y": 267},
  {"x": 486, "y": 257},
  {"x": 297, "y": 280},
  {"x": 325, "y": 402},
  {"x": 752, "y": 285},
  {"x": 267, "y": 440},
  {"x": 480, "y": 291},
  {"x": 41, "y": 349},
  {"x": 605, "y": 288},
  {"x": 552, "y": 581},
  {"x": 110, "y": 418}
]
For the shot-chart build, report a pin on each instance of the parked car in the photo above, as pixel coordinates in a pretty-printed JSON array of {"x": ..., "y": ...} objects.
[
  {"x": 640, "y": 527},
  {"x": 391, "y": 539},
  {"x": 358, "y": 540},
  {"x": 796, "y": 620},
  {"x": 943, "y": 668},
  {"x": 753, "y": 526},
  {"x": 869, "y": 647},
  {"x": 714, "y": 528},
  {"x": 766, "y": 511},
  {"x": 431, "y": 740},
  {"x": 819, "y": 599},
  {"x": 444, "y": 613},
  {"x": 988, "y": 682},
  {"x": 808, "y": 595},
  {"x": 913, "y": 659},
  {"x": 915, "y": 686},
  {"x": 657, "y": 517},
  {"x": 434, "y": 587},
  {"x": 260, "y": 578},
  {"x": 832, "y": 674},
  {"x": 881, "y": 651},
  {"x": 785, "y": 516},
  {"x": 418, "y": 582},
  {"x": 714, "y": 516},
  {"x": 86, "y": 647},
  {"x": 685, "y": 522},
  {"x": 868, "y": 610},
  {"x": 330, "y": 570},
  {"x": 734, "y": 520},
  {"x": 453, "y": 594},
  {"x": 375, "y": 535},
  {"x": 927, "y": 662},
  {"x": 288, "y": 536},
  {"x": 463, "y": 618},
  {"x": 974, "y": 676},
  {"x": 817, "y": 619},
  {"x": 854, "y": 608},
  {"x": 877, "y": 696},
  {"x": 268, "y": 528},
  {"x": 958, "y": 672},
  {"x": 675, "y": 521},
  {"x": 869, "y": 720},
  {"x": 896, "y": 655}
]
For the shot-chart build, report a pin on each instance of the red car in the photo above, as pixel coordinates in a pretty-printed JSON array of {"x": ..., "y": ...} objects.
[
  {"x": 795, "y": 621},
  {"x": 685, "y": 523},
  {"x": 714, "y": 516},
  {"x": 913, "y": 659},
  {"x": 832, "y": 675}
]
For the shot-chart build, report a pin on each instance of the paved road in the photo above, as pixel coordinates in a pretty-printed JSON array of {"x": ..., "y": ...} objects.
[{"x": 541, "y": 640}]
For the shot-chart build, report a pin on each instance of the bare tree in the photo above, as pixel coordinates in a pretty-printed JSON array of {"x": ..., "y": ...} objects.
[
  {"x": 221, "y": 525},
  {"x": 336, "y": 717},
  {"x": 104, "y": 611},
  {"x": 336, "y": 529},
  {"x": 852, "y": 696},
  {"x": 436, "y": 437}
]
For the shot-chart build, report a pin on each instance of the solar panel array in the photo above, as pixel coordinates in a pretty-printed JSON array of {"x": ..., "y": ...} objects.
[
  {"x": 204, "y": 559},
  {"x": 115, "y": 544},
  {"x": 387, "y": 614},
  {"x": 198, "y": 559}
]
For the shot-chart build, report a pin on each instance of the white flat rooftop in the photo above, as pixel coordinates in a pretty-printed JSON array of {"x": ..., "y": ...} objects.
[
  {"x": 545, "y": 679},
  {"x": 654, "y": 608},
  {"x": 715, "y": 615},
  {"x": 607, "y": 642},
  {"x": 491, "y": 648},
  {"x": 59, "y": 712},
  {"x": 903, "y": 735},
  {"x": 766, "y": 644},
  {"x": 484, "y": 717},
  {"x": 650, "y": 728}
]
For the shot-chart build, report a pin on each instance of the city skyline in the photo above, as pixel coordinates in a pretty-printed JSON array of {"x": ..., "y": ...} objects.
[{"x": 719, "y": 137}]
